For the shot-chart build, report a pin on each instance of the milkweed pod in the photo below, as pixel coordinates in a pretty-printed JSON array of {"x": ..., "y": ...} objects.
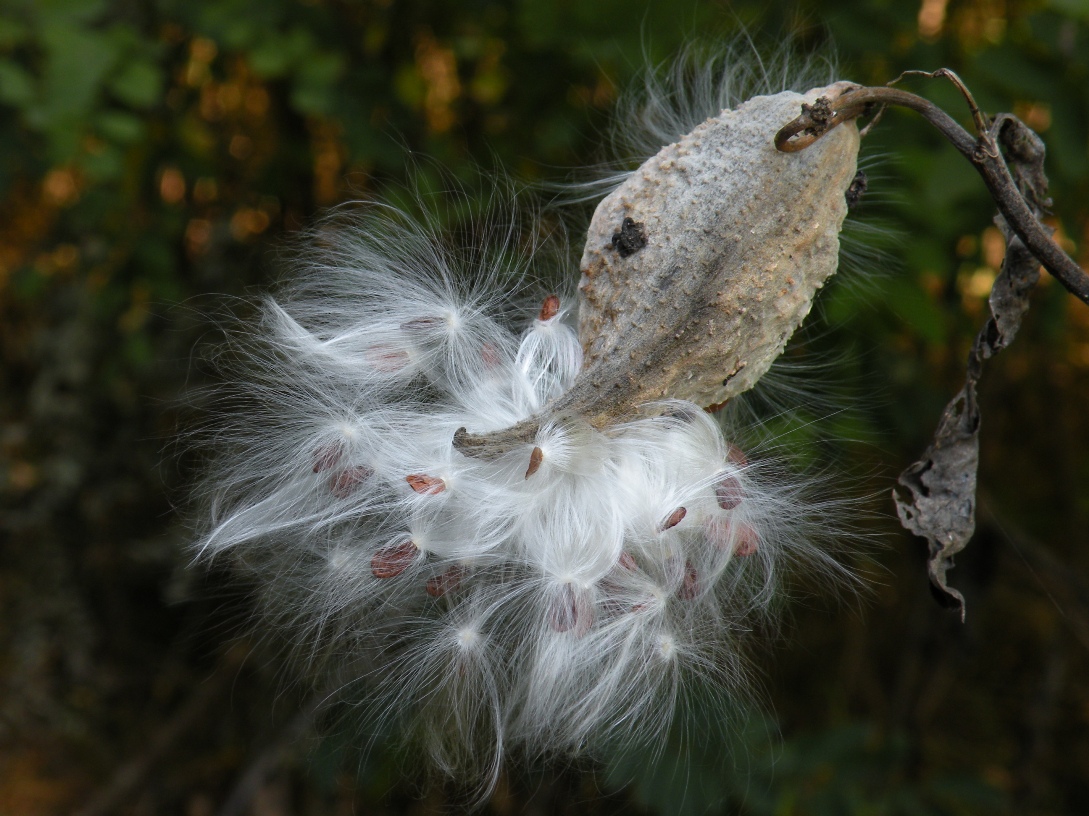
[{"x": 704, "y": 262}]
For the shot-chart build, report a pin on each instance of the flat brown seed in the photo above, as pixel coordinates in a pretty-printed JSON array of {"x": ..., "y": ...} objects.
[
  {"x": 490, "y": 355},
  {"x": 535, "y": 459},
  {"x": 571, "y": 612},
  {"x": 387, "y": 359},
  {"x": 445, "y": 582},
  {"x": 728, "y": 492},
  {"x": 627, "y": 562},
  {"x": 425, "y": 485},
  {"x": 550, "y": 308},
  {"x": 735, "y": 455},
  {"x": 326, "y": 456},
  {"x": 690, "y": 586},
  {"x": 748, "y": 542},
  {"x": 422, "y": 324},
  {"x": 674, "y": 519},
  {"x": 393, "y": 559},
  {"x": 345, "y": 482}
]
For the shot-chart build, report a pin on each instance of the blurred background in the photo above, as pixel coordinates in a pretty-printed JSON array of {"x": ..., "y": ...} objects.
[{"x": 156, "y": 155}]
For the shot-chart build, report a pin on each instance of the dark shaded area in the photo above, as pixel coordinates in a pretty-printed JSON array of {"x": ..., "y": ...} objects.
[{"x": 155, "y": 157}]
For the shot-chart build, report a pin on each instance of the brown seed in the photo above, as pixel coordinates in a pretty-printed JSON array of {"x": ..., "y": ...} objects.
[
  {"x": 719, "y": 532},
  {"x": 690, "y": 587},
  {"x": 627, "y": 562},
  {"x": 748, "y": 542},
  {"x": 447, "y": 581},
  {"x": 571, "y": 612},
  {"x": 344, "y": 482},
  {"x": 393, "y": 559},
  {"x": 387, "y": 359},
  {"x": 728, "y": 492},
  {"x": 737, "y": 456},
  {"x": 550, "y": 308},
  {"x": 327, "y": 455},
  {"x": 716, "y": 407},
  {"x": 490, "y": 355},
  {"x": 535, "y": 459},
  {"x": 674, "y": 519},
  {"x": 420, "y": 324},
  {"x": 425, "y": 485}
]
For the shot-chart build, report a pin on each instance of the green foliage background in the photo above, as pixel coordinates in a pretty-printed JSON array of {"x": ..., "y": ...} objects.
[{"x": 153, "y": 156}]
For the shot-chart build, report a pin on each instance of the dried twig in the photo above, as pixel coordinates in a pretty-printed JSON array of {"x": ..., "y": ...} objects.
[
  {"x": 982, "y": 151},
  {"x": 940, "y": 501}
]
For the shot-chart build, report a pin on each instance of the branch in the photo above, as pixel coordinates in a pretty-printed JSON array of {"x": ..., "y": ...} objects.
[
  {"x": 939, "y": 502},
  {"x": 827, "y": 113}
]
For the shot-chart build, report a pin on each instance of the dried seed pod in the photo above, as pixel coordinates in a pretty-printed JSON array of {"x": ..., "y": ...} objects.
[
  {"x": 738, "y": 239},
  {"x": 425, "y": 485},
  {"x": 723, "y": 244},
  {"x": 393, "y": 559}
]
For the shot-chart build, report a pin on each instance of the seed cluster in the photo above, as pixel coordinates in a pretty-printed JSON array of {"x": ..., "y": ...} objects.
[{"x": 551, "y": 599}]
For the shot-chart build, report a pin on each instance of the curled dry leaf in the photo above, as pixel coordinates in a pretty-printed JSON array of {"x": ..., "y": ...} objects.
[{"x": 940, "y": 501}]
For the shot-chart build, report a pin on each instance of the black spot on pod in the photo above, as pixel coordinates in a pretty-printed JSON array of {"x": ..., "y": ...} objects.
[
  {"x": 630, "y": 238},
  {"x": 857, "y": 189}
]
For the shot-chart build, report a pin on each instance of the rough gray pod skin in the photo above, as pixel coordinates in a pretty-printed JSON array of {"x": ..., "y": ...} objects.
[{"x": 698, "y": 269}]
